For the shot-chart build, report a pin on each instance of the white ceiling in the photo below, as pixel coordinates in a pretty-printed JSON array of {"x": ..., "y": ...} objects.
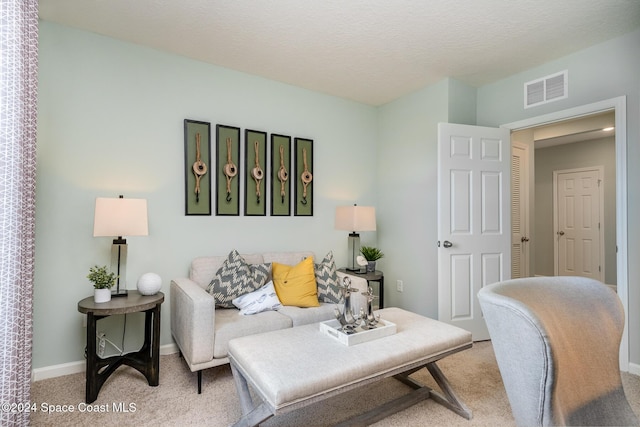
[{"x": 371, "y": 51}]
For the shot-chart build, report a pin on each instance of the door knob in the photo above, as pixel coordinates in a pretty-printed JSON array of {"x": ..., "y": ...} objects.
[
  {"x": 447, "y": 244},
  {"x": 560, "y": 233},
  {"x": 524, "y": 239}
]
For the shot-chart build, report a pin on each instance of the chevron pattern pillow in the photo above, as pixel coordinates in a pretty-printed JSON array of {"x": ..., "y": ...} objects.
[
  {"x": 235, "y": 278},
  {"x": 327, "y": 280}
]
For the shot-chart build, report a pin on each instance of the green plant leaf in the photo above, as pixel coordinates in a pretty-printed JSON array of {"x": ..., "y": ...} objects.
[
  {"x": 101, "y": 278},
  {"x": 370, "y": 253}
]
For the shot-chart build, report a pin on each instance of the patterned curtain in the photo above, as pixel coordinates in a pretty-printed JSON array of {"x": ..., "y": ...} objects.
[{"x": 18, "y": 113}]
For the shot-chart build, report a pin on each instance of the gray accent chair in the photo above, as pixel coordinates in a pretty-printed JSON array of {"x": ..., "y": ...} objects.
[{"x": 557, "y": 343}]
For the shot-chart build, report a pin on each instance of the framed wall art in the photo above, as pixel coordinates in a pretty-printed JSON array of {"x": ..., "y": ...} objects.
[
  {"x": 227, "y": 170},
  {"x": 303, "y": 175},
  {"x": 197, "y": 159},
  {"x": 280, "y": 182},
  {"x": 255, "y": 175}
]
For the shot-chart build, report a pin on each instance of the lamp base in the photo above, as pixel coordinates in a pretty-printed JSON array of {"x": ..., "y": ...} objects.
[
  {"x": 119, "y": 293},
  {"x": 119, "y": 266},
  {"x": 354, "y": 250}
]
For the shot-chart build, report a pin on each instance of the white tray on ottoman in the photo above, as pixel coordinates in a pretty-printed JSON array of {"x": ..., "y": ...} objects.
[
  {"x": 292, "y": 368},
  {"x": 332, "y": 328}
]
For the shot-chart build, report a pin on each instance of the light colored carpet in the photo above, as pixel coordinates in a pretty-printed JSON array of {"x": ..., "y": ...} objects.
[{"x": 473, "y": 374}]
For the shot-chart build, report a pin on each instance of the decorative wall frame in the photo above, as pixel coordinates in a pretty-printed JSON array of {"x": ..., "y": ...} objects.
[
  {"x": 227, "y": 170},
  {"x": 197, "y": 159},
  {"x": 280, "y": 176},
  {"x": 303, "y": 175},
  {"x": 255, "y": 176}
]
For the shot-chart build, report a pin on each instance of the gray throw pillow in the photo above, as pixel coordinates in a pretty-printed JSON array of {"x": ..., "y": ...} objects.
[
  {"x": 327, "y": 280},
  {"x": 235, "y": 278}
]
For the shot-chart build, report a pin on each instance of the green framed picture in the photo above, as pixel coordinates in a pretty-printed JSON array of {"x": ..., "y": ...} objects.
[
  {"x": 255, "y": 175},
  {"x": 227, "y": 170},
  {"x": 280, "y": 182},
  {"x": 197, "y": 158},
  {"x": 303, "y": 189}
]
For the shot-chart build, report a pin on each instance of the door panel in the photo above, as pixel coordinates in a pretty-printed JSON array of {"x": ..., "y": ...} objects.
[
  {"x": 473, "y": 215},
  {"x": 578, "y": 218}
]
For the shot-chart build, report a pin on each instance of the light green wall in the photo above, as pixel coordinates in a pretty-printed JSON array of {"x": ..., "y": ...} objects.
[
  {"x": 407, "y": 164},
  {"x": 601, "y": 72},
  {"x": 111, "y": 122},
  {"x": 598, "y": 152},
  {"x": 407, "y": 189}
]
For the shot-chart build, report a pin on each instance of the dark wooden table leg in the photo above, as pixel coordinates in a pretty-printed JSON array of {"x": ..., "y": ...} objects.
[
  {"x": 91, "y": 392},
  {"x": 147, "y": 359},
  {"x": 154, "y": 374}
]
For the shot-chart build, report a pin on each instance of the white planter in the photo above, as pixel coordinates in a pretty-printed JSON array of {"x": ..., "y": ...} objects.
[
  {"x": 101, "y": 295},
  {"x": 149, "y": 284}
]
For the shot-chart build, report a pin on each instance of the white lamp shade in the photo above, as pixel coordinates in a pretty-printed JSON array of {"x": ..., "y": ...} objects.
[
  {"x": 120, "y": 217},
  {"x": 355, "y": 218}
]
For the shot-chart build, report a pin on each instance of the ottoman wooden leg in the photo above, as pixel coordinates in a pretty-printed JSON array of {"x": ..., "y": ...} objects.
[{"x": 251, "y": 415}]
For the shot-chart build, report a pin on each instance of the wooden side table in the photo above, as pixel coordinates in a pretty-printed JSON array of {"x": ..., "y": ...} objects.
[
  {"x": 146, "y": 360},
  {"x": 376, "y": 276}
]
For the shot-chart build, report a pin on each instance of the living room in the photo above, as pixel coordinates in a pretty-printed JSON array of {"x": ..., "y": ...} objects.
[{"x": 110, "y": 122}]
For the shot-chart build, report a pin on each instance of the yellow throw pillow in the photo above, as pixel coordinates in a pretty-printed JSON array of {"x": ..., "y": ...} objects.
[{"x": 296, "y": 285}]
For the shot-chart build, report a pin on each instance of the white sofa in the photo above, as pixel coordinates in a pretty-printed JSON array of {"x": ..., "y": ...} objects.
[{"x": 202, "y": 331}]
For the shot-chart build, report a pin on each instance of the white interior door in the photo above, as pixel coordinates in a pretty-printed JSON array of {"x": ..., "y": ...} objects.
[
  {"x": 473, "y": 220},
  {"x": 578, "y": 213},
  {"x": 520, "y": 247}
]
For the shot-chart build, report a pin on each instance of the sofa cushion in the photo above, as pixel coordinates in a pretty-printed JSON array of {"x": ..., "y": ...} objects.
[
  {"x": 304, "y": 316},
  {"x": 327, "y": 280},
  {"x": 296, "y": 285},
  {"x": 254, "y": 302},
  {"x": 235, "y": 278},
  {"x": 229, "y": 325}
]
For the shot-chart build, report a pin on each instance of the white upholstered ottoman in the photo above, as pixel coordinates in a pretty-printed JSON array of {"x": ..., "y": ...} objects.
[{"x": 292, "y": 368}]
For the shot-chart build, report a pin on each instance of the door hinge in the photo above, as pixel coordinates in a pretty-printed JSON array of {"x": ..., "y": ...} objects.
[{"x": 600, "y": 269}]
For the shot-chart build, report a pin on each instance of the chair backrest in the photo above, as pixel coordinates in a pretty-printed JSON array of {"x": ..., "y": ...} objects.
[{"x": 557, "y": 343}]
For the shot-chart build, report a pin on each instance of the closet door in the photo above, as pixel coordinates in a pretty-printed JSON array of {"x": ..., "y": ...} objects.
[{"x": 520, "y": 247}]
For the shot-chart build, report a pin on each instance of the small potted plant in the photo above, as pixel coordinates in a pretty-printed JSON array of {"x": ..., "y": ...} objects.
[
  {"x": 102, "y": 283},
  {"x": 371, "y": 254}
]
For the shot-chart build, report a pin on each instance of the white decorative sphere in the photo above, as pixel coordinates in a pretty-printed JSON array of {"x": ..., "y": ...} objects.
[{"x": 149, "y": 284}]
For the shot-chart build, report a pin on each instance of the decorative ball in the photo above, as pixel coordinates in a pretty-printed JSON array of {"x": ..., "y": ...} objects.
[{"x": 149, "y": 284}]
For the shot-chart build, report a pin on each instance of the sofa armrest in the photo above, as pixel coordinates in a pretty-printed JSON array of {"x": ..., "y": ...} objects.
[
  {"x": 357, "y": 299},
  {"x": 192, "y": 320}
]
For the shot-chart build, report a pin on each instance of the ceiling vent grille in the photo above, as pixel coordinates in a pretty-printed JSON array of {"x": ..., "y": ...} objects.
[{"x": 547, "y": 89}]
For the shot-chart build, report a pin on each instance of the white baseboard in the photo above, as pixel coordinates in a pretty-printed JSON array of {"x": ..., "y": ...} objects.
[
  {"x": 40, "y": 374},
  {"x": 46, "y": 372}
]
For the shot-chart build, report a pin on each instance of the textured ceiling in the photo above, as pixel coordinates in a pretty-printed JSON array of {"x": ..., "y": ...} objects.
[{"x": 371, "y": 51}]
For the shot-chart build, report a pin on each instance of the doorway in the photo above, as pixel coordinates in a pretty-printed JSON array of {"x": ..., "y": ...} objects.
[
  {"x": 568, "y": 144},
  {"x": 618, "y": 107}
]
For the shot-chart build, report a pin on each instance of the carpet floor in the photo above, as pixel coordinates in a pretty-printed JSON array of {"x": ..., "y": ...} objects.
[{"x": 127, "y": 400}]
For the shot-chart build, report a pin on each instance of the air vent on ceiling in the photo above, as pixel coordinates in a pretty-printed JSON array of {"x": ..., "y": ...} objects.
[{"x": 547, "y": 89}]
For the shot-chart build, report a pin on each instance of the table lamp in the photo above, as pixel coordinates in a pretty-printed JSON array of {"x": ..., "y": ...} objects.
[
  {"x": 118, "y": 217},
  {"x": 355, "y": 218}
]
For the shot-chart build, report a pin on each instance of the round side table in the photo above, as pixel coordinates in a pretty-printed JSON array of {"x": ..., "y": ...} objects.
[{"x": 146, "y": 360}]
